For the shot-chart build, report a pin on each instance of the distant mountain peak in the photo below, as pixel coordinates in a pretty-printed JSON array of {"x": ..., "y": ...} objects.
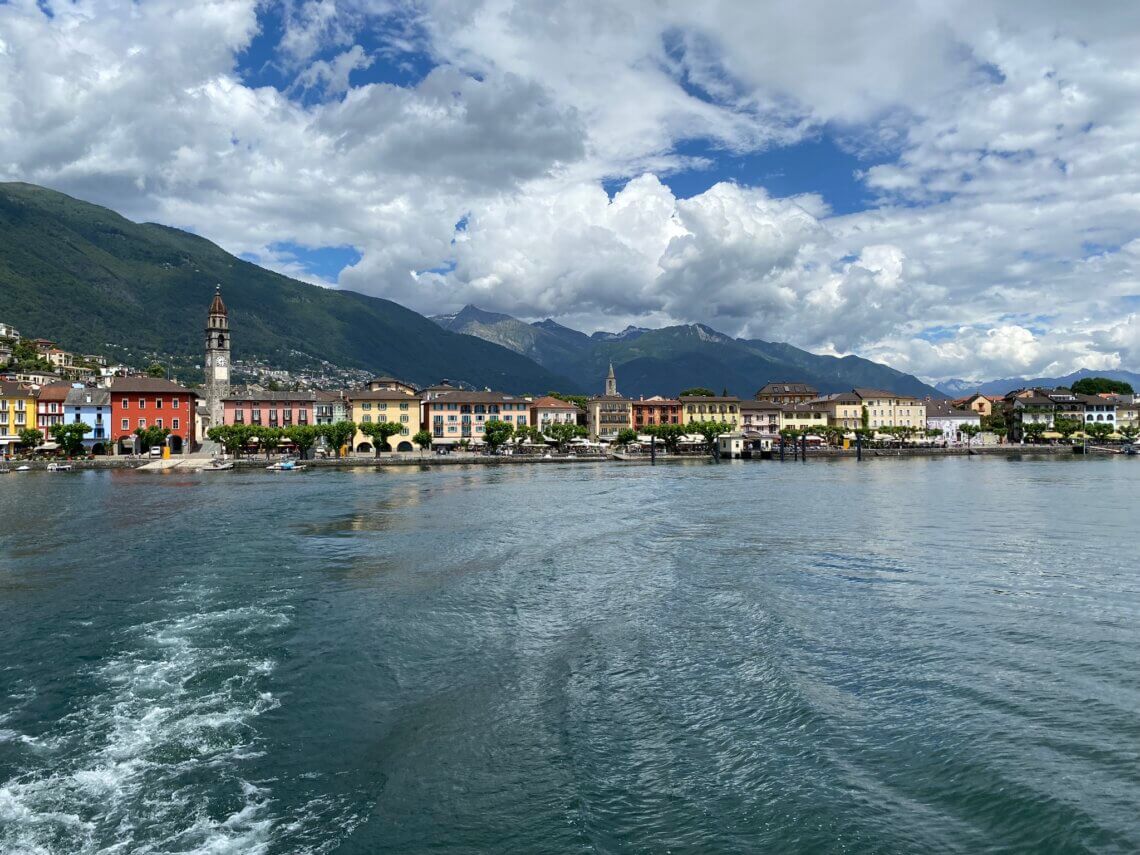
[{"x": 630, "y": 332}]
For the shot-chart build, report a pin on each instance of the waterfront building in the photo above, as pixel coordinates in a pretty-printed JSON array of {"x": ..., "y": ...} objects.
[
  {"x": 730, "y": 445},
  {"x": 142, "y": 402},
  {"x": 457, "y": 415},
  {"x": 1045, "y": 406},
  {"x": 844, "y": 410},
  {"x": 50, "y": 406},
  {"x": 1099, "y": 409},
  {"x": 710, "y": 408},
  {"x": 890, "y": 409},
  {"x": 944, "y": 416},
  {"x": 217, "y": 358},
  {"x": 91, "y": 406},
  {"x": 787, "y": 393},
  {"x": 1127, "y": 410},
  {"x": 385, "y": 399},
  {"x": 269, "y": 409},
  {"x": 760, "y": 417},
  {"x": 804, "y": 417},
  {"x": 330, "y": 407},
  {"x": 1031, "y": 406},
  {"x": 17, "y": 413},
  {"x": 608, "y": 413},
  {"x": 546, "y": 411},
  {"x": 655, "y": 411}
]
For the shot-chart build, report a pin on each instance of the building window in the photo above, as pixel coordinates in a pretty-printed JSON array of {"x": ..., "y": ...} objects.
[
  {"x": 142, "y": 423},
  {"x": 142, "y": 403},
  {"x": 126, "y": 424},
  {"x": 158, "y": 422},
  {"x": 174, "y": 403},
  {"x": 366, "y": 419},
  {"x": 175, "y": 424},
  {"x": 158, "y": 403},
  {"x": 126, "y": 403}
]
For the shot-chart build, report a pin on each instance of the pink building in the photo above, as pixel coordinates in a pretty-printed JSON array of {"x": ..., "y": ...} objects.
[{"x": 271, "y": 409}]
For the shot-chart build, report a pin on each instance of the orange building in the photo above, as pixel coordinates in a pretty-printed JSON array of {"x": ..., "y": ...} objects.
[{"x": 656, "y": 411}]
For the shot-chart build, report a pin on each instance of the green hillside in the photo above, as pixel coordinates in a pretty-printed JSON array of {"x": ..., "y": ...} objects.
[{"x": 86, "y": 277}]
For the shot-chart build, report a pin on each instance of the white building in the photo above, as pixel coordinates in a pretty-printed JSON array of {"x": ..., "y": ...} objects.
[
  {"x": 9, "y": 331},
  {"x": 944, "y": 416}
]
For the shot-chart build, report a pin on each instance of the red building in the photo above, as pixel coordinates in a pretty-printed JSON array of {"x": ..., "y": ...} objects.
[
  {"x": 143, "y": 402},
  {"x": 656, "y": 411}
]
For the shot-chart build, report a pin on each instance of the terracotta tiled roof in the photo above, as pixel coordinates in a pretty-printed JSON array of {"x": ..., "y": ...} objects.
[
  {"x": 149, "y": 386},
  {"x": 548, "y": 403}
]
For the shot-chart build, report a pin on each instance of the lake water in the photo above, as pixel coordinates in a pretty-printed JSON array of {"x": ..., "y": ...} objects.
[{"x": 894, "y": 656}]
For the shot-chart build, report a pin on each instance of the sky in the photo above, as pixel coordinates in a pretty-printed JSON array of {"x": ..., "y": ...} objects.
[{"x": 952, "y": 188}]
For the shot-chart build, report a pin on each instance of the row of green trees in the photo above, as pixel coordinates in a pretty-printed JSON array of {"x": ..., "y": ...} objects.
[
  {"x": 235, "y": 438},
  {"x": 1100, "y": 431},
  {"x": 70, "y": 436}
]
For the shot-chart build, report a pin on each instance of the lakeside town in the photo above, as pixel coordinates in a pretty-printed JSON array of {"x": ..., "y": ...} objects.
[{"x": 54, "y": 403}]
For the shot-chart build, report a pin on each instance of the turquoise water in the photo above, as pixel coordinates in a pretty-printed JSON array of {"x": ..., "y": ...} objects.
[{"x": 897, "y": 656}]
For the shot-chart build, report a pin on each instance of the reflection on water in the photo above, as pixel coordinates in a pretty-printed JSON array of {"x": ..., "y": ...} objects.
[{"x": 907, "y": 655}]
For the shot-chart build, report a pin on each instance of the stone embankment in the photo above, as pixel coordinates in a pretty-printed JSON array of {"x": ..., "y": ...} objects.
[{"x": 183, "y": 464}]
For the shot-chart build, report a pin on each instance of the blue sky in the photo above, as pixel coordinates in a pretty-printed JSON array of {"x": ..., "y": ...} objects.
[{"x": 947, "y": 188}]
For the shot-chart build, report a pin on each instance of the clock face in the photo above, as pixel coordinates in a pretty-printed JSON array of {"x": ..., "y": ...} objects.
[{"x": 221, "y": 362}]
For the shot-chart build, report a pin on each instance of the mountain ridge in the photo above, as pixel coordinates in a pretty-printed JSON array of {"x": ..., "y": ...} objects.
[
  {"x": 145, "y": 287},
  {"x": 668, "y": 359}
]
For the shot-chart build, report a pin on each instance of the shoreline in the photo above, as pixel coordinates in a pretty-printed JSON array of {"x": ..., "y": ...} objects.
[{"x": 191, "y": 464}]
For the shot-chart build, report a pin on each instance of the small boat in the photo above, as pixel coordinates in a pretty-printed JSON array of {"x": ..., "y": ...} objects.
[
  {"x": 285, "y": 466},
  {"x": 218, "y": 466},
  {"x": 59, "y": 467},
  {"x": 24, "y": 468},
  {"x": 4, "y": 471}
]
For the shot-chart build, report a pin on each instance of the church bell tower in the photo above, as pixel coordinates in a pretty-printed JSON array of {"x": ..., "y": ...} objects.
[{"x": 217, "y": 358}]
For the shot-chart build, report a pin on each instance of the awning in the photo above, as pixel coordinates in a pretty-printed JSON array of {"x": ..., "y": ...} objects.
[
  {"x": 47, "y": 446},
  {"x": 1051, "y": 434}
]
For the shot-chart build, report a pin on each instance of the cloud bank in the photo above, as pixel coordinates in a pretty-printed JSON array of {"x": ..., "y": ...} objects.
[{"x": 520, "y": 157}]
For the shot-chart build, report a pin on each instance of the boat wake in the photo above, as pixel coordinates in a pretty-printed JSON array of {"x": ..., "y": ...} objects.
[{"x": 153, "y": 760}]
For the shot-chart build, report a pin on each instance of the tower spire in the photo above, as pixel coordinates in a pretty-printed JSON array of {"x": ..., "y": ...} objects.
[{"x": 611, "y": 383}]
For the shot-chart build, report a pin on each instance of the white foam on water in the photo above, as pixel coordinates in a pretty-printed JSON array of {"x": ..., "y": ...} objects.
[{"x": 116, "y": 776}]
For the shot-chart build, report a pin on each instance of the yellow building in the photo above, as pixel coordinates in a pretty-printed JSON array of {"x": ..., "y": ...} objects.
[
  {"x": 385, "y": 400},
  {"x": 701, "y": 408},
  {"x": 889, "y": 409},
  {"x": 803, "y": 416},
  {"x": 844, "y": 410},
  {"x": 17, "y": 413},
  {"x": 609, "y": 413}
]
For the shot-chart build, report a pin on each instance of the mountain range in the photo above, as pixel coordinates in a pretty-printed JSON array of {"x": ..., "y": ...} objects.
[
  {"x": 666, "y": 360},
  {"x": 961, "y": 388},
  {"x": 95, "y": 282},
  {"x": 84, "y": 276}
]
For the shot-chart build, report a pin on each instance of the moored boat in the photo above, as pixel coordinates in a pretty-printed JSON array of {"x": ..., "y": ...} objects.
[
  {"x": 287, "y": 465},
  {"x": 59, "y": 467},
  {"x": 218, "y": 466}
]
